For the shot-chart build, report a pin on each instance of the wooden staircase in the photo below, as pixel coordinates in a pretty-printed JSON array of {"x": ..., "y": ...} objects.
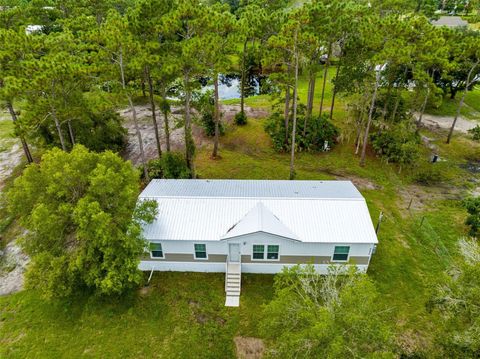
[{"x": 233, "y": 279}]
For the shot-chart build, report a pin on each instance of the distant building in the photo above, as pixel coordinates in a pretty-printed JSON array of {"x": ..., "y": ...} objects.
[
  {"x": 250, "y": 226},
  {"x": 450, "y": 21}
]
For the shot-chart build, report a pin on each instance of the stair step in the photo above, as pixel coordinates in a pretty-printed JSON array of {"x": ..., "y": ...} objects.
[
  {"x": 231, "y": 291},
  {"x": 233, "y": 281},
  {"x": 234, "y": 287},
  {"x": 232, "y": 301}
]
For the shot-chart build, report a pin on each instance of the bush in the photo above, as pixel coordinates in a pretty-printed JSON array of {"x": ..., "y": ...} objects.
[
  {"x": 431, "y": 173},
  {"x": 204, "y": 103},
  {"x": 475, "y": 132},
  {"x": 473, "y": 220},
  {"x": 319, "y": 129},
  {"x": 398, "y": 144},
  {"x": 240, "y": 118},
  {"x": 170, "y": 165}
]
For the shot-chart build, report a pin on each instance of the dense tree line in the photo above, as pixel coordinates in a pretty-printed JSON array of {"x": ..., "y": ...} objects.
[{"x": 60, "y": 62}]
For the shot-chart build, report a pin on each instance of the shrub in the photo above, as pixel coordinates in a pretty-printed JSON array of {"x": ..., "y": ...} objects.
[
  {"x": 319, "y": 129},
  {"x": 205, "y": 105},
  {"x": 473, "y": 220},
  {"x": 398, "y": 144},
  {"x": 475, "y": 132},
  {"x": 170, "y": 165},
  {"x": 431, "y": 173},
  {"x": 240, "y": 118}
]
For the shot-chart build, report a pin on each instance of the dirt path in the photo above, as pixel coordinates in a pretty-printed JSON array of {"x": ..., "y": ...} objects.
[
  {"x": 10, "y": 149},
  {"x": 177, "y": 137},
  {"x": 445, "y": 122}
]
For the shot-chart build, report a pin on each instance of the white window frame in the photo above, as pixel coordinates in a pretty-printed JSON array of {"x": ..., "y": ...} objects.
[
  {"x": 265, "y": 253},
  {"x": 339, "y": 260},
  {"x": 195, "y": 252},
  {"x": 150, "y": 251}
]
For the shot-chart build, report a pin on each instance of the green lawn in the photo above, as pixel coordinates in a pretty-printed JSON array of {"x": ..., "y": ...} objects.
[
  {"x": 471, "y": 109},
  {"x": 180, "y": 315},
  {"x": 183, "y": 316}
]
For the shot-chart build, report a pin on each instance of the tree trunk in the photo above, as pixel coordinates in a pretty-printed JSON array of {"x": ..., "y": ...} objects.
[
  {"x": 370, "y": 115},
  {"x": 244, "y": 75},
  {"x": 59, "y": 129},
  {"x": 152, "y": 105},
  {"x": 139, "y": 137},
  {"x": 422, "y": 109},
  {"x": 134, "y": 115},
  {"x": 166, "y": 124},
  {"x": 395, "y": 107},
  {"x": 295, "y": 89},
  {"x": 457, "y": 114},
  {"x": 387, "y": 98},
  {"x": 325, "y": 72},
  {"x": 287, "y": 112},
  {"x": 26, "y": 150},
  {"x": 311, "y": 92},
  {"x": 188, "y": 127},
  {"x": 70, "y": 133},
  {"x": 334, "y": 92},
  {"x": 216, "y": 117}
]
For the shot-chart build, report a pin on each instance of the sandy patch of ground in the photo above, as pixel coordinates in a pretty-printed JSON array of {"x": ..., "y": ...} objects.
[
  {"x": 12, "y": 266},
  {"x": 249, "y": 348},
  {"x": 229, "y": 112},
  {"x": 445, "y": 122},
  {"x": 416, "y": 198},
  {"x": 144, "y": 116},
  {"x": 177, "y": 134},
  {"x": 10, "y": 153}
]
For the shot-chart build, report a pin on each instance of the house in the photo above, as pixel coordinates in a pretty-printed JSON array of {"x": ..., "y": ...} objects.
[
  {"x": 450, "y": 21},
  {"x": 256, "y": 226}
]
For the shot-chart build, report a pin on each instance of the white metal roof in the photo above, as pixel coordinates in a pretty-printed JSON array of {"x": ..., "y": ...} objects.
[
  {"x": 251, "y": 189},
  {"x": 259, "y": 219},
  {"x": 212, "y": 210}
]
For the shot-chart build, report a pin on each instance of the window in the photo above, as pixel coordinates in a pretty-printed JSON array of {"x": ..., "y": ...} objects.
[
  {"x": 272, "y": 252},
  {"x": 200, "y": 251},
  {"x": 156, "y": 250},
  {"x": 341, "y": 253},
  {"x": 258, "y": 251}
]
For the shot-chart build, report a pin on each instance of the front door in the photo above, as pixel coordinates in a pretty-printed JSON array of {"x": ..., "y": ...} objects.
[{"x": 234, "y": 252}]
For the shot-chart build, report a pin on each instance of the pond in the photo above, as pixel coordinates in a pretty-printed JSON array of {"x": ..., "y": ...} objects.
[{"x": 229, "y": 86}]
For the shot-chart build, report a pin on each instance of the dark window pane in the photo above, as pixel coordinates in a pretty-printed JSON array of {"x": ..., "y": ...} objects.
[
  {"x": 201, "y": 254},
  {"x": 342, "y": 249},
  {"x": 340, "y": 257},
  {"x": 157, "y": 254},
  {"x": 272, "y": 255},
  {"x": 155, "y": 246},
  {"x": 258, "y": 255},
  {"x": 200, "y": 247}
]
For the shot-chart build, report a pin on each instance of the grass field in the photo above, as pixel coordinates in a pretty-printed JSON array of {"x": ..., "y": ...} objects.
[
  {"x": 182, "y": 315},
  {"x": 470, "y": 110}
]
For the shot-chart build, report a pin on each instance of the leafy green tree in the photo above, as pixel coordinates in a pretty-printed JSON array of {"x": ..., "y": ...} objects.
[
  {"x": 121, "y": 48},
  {"x": 469, "y": 52},
  {"x": 15, "y": 49},
  {"x": 326, "y": 316},
  {"x": 218, "y": 43},
  {"x": 84, "y": 227},
  {"x": 188, "y": 24},
  {"x": 144, "y": 20},
  {"x": 55, "y": 87}
]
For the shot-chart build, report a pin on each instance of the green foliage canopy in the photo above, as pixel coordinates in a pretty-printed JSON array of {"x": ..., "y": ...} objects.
[{"x": 83, "y": 224}]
